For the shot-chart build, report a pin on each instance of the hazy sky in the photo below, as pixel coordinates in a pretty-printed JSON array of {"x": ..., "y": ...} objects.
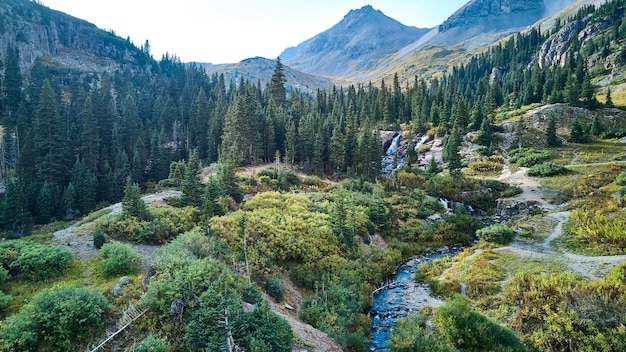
[{"x": 228, "y": 31}]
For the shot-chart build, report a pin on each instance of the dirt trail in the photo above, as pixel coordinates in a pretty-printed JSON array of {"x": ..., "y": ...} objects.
[{"x": 588, "y": 266}]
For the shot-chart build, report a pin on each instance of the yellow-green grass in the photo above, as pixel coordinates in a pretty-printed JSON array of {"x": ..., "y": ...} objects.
[
  {"x": 582, "y": 180},
  {"x": 596, "y": 151},
  {"x": 618, "y": 98},
  {"x": 537, "y": 227},
  {"x": 480, "y": 275}
]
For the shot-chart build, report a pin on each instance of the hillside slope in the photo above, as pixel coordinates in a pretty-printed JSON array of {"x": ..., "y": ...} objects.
[{"x": 37, "y": 30}]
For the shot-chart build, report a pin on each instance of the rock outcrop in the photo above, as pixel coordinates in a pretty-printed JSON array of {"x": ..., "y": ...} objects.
[
  {"x": 482, "y": 21},
  {"x": 37, "y": 31}
]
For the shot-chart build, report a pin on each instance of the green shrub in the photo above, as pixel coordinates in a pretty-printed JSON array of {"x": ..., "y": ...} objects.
[
  {"x": 621, "y": 179},
  {"x": 312, "y": 181},
  {"x": 117, "y": 259},
  {"x": 500, "y": 234},
  {"x": 34, "y": 261},
  {"x": 99, "y": 238},
  {"x": 546, "y": 170},
  {"x": 58, "y": 319},
  {"x": 275, "y": 288},
  {"x": 150, "y": 344},
  {"x": 251, "y": 294},
  {"x": 167, "y": 224},
  {"x": 485, "y": 166},
  {"x": 528, "y": 157},
  {"x": 468, "y": 330},
  {"x": 5, "y": 300},
  {"x": 511, "y": 191},
  {"x": 4, "y": 275}
]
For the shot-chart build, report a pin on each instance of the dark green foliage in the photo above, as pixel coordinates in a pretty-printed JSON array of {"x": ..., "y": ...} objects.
[
  {"x": 468, "y": 330},
  {"x": 262, "y": 327},
  {"x": 275, "y": 288},
  {"x": 609, "y": 100},
  {"x": 546, "y": 170},
  {"x": 34, "y": 261},
  {"x": 552, "y": 139},
  {"x": 252, "y": 295},
  {"x": 60, "y": 319},
  {"x": 15, "y": 216},
  {"x": 578, "y": 133},
  {"x": 117, "y": 259},
  {"x": 132, "y": 204},
  {"x": 191, "y": 186},
  {"x": 99, "y": 238},
  {"x": 500, "y": 234}
]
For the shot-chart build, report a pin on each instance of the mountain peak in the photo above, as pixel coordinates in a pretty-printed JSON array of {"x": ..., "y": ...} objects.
[{"x": 357, "y": 42}]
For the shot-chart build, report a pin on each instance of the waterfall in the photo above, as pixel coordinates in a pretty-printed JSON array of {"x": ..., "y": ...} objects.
[{"x": 392, "y": 161}]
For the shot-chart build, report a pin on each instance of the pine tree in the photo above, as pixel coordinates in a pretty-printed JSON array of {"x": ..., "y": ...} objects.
[
  {"x": 49, "y": 141},
  {"x": 485, "y": 134},
  {"x": 12, "y": 84},
  {"x": 16, "y": 218},
  {"x": 433, "y": 168},
  {"x": 577, "y": 134},
  {"x": 596, "y": 126},
  {"x": 552, "y": 139},
  {"x": 132, "y": 204},
  {"x": 609, "y": 100},
  {"x": 277, "y": 84},
  {"x": 191, "y": 185}
]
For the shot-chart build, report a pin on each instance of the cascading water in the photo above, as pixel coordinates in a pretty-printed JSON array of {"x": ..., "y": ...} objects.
[
  {"x": 405, "y": 296},
  {"x": 392, "y": 160}
]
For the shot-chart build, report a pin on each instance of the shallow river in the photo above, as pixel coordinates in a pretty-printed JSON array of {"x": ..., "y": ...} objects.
[{"x": 404, "y": 297}]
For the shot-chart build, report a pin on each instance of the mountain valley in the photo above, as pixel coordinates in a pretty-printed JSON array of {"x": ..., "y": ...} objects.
[{"x": 379, "y": 187}]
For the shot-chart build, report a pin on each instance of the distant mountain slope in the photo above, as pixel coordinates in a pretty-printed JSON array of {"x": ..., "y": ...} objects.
[
  {"x": 37, "y": 30},
  {"x": 494, "y": 19},
  {"x": 357, "y": 43},
  {"x": 259, "y": 68}
]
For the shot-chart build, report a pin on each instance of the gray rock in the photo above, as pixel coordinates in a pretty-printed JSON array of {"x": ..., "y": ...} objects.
[{"x": 120, "y": 286}]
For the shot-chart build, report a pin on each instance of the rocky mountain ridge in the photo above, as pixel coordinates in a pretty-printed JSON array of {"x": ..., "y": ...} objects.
[
  {"x": 357, "y": 42},
  {"x": 36, "y": 31},
  {"x": 261, "y": 69}
]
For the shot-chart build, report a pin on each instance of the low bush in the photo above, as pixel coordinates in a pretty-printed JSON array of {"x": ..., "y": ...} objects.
[
  {"x": 485, "y": 166},
  {"x": 500, "y": 234},
  {"x": 167, "y": 224},
  {"x": 58, "y": 319},
  {"x": 546, "y": 170},
  {"x": 34, "y": 261},
  {"x": 468, "y": 330},
  {"x": 99, "y": 238},
  {"x": 528, "y": 157},
  {"x": 275, "y": 288},
  {"x": 621, "y": 179},
  {"x": 150, "y": 344},
  {"x": 117, "y": 259}
]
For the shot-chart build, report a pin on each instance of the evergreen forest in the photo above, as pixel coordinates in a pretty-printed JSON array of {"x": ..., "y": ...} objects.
[{"x": 224, "y": 258}]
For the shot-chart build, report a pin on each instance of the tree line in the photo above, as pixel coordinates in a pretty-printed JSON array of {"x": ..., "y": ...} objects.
[{"x": 71, "y": 138}]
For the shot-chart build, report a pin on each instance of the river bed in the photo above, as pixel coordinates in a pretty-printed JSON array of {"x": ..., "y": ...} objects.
[{"x": 404, "y": 297}]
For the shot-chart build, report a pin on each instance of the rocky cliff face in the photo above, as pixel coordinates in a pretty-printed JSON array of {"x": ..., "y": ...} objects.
[
  {"x": 363, "y": 37},
  {"x": 37, "y": 30},
  {"x": 490, "y": 19}
]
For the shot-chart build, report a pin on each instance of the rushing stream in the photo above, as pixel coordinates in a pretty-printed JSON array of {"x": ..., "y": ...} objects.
[{"x": 403, "y": 297}]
